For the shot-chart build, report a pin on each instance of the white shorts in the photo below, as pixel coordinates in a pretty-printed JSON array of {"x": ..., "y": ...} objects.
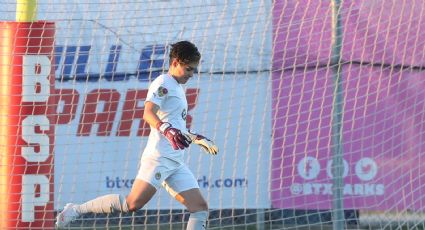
[{"x": 173, "y": 176}]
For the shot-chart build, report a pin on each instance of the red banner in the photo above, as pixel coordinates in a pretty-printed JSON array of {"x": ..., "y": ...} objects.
[{"x": 27, "y": 124}]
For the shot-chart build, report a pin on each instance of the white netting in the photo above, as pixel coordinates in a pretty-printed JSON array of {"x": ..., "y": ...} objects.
[
  {"x": 381, "y": 75},
  {"x": 264, "y": 92}
]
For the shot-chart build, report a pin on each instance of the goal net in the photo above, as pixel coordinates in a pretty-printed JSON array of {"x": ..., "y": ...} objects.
[{"x": 266, "y": 91}]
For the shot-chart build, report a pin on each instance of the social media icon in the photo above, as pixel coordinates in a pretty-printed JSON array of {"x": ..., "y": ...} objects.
[
  {"x": 366, "y": 169},
  {"x": 308, "y": 168}
]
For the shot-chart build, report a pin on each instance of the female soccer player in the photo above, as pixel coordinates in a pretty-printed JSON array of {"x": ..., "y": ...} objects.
[{"x": 162, "y": 162}]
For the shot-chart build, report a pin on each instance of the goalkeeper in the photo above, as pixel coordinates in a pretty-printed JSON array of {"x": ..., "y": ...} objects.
[{"x": 162, "y": 162}]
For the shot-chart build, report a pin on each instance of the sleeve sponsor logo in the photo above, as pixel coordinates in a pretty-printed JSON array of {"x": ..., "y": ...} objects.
[{"x": 162, "y": 91}]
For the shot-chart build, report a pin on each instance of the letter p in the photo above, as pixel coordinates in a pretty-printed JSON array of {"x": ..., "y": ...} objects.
[{"x": 29, "y": 199}]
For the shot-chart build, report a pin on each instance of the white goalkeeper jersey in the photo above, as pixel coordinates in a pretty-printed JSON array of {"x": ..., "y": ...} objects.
[{"x": 169, "y": 95}]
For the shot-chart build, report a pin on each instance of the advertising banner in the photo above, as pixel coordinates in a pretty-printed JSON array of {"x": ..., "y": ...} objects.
[
  {"x": 27, "y": 132},
  {"x": 105, "y": 60},
  {"x": 383, "y": 126},
  {"x": 100, "y": 137}
]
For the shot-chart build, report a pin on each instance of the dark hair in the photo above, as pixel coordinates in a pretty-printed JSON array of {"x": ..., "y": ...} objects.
[{"x": 185, "y": 52}]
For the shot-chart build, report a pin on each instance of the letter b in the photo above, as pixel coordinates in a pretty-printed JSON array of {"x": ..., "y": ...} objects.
[{"x": 35, "y": 74}]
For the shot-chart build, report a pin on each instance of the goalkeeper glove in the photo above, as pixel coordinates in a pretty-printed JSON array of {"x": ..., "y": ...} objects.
[
  {"x": 206, "y": 144},
  {"x": 173, "y": 135}
]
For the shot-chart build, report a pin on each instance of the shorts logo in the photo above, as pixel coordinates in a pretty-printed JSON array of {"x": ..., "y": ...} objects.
[
  {"x": 158, "y": 175},
  {"x": 162, "y": 91},
  {"x": 184, "y": 114}
]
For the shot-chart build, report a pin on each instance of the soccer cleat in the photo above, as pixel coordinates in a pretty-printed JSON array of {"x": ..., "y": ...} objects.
[{"x": 68, "y": 214}]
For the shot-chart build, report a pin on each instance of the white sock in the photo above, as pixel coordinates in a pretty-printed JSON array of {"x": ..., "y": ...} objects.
[
  {"x": 197, "y": 220},
  {"x": 104, "y": 204}
]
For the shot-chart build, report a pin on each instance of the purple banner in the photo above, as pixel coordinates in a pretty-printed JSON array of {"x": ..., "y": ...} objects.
[
  {"x": 384, "y": 105},
  {"x": 379, "y": 32}
]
